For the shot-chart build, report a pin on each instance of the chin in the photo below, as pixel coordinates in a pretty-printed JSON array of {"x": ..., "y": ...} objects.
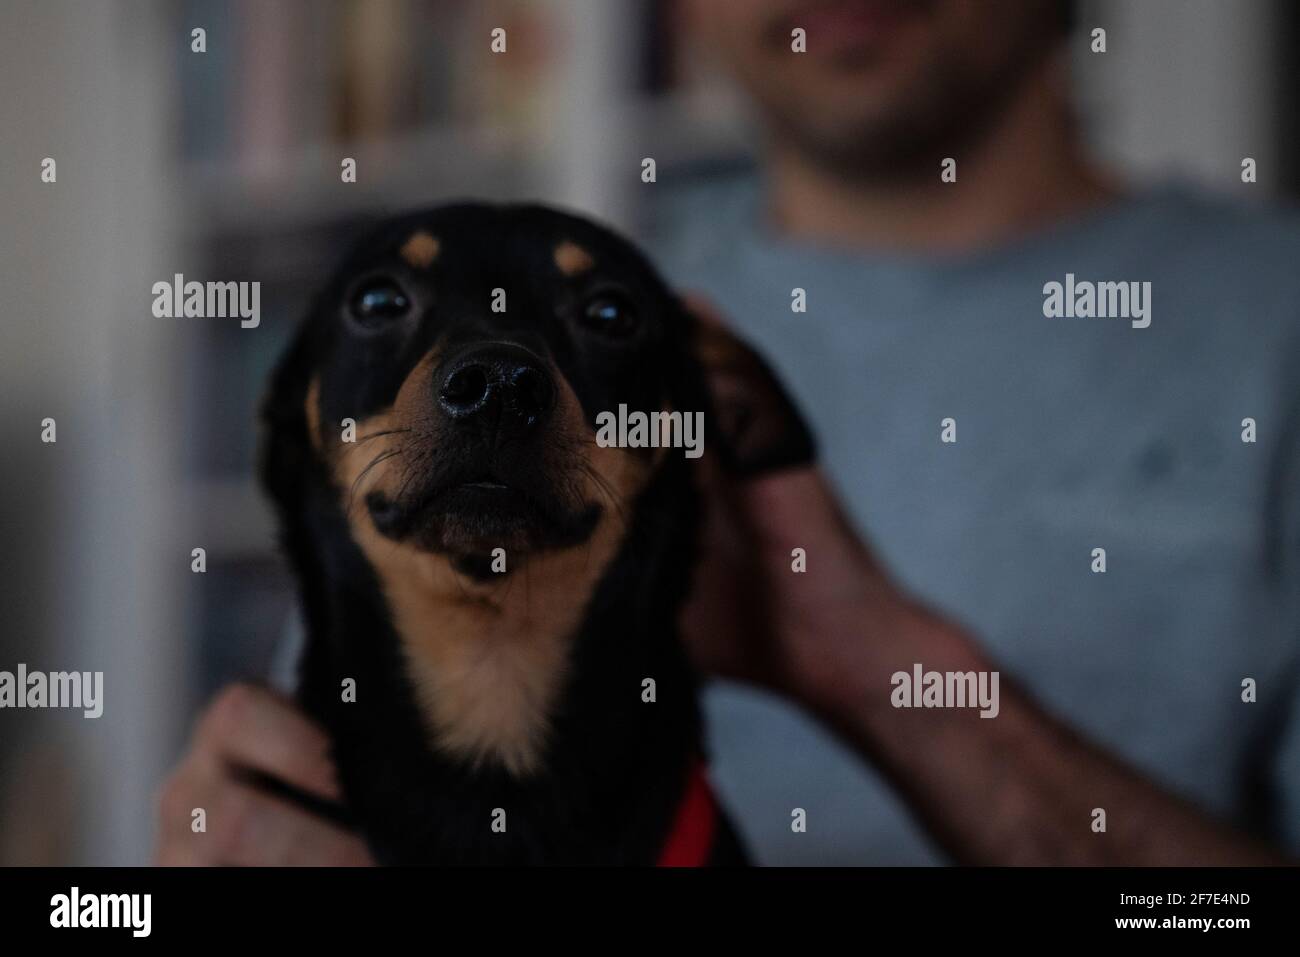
[{"x": 466, "y": 522}]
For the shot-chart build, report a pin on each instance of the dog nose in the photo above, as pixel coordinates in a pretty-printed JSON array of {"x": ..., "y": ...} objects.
[{"x": 502, "y": 382}]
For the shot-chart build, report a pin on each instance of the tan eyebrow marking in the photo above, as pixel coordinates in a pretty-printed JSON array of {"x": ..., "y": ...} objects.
[
  {"x": 420, "y": 250},
  {"x": 572, "y": 258}
]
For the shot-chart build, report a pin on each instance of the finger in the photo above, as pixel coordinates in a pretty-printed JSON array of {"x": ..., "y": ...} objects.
[
  {"x": 178, "y": 853},
  {"x": 256, "y": 729},
  {"x": 251, "y": 828},
  {"x": 703, "y": 309},
  {"x": 176, "y": 849},
  {"x": 756, "y": 424},
  {"x": 190, "y": 788}
]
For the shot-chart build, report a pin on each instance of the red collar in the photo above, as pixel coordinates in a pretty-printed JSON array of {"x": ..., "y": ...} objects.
[{"x": 691, "y": 838}]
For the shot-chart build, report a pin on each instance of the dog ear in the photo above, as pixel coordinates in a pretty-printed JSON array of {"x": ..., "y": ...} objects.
[
  {"x": 285, "y": 455},
  {"x": 755, "y": 425}
]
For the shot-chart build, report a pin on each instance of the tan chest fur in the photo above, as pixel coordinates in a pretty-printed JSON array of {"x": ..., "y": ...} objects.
[{"x": 488, "y": 660}]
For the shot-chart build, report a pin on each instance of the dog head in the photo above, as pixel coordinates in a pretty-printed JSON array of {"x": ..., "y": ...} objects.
[
  {"x": 456, "y": 364},
  {"x": 450, "y": 375}
]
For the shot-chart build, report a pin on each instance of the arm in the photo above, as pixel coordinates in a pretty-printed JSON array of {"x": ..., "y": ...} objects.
[{"x": 1015, "y": 789}]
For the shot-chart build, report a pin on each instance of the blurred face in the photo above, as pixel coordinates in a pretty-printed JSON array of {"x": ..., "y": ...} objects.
[{"x": 884, "y": 83}]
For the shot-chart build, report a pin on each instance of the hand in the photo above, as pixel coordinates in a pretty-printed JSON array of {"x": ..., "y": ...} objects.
[
  {"x": 809, "y": 635},
  {"x": 249, "y": 729},
  {"x": 751, "y": 615}
]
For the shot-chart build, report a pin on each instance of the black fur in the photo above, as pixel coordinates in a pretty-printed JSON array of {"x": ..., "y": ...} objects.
[{"x": 615, "y": 767}]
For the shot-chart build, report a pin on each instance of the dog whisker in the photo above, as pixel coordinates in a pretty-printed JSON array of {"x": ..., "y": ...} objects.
[
  {"x": 608, "y": 492},
  {"x": 362, "y": 440},
  {"x": 381, "y": 457},
  {"x": 412, "y": 471}
]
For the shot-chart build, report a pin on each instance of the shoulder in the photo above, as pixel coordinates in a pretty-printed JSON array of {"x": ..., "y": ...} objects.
[
  {"x": 1225, "y": 281},
  {"x": 701, "y": 212},
  {"x": 1240, "y": 263}
]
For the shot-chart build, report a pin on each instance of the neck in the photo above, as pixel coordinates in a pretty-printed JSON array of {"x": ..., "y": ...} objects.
[
  {"x": 1027, "y": 170},
  {"x": 608, "y": 783}
]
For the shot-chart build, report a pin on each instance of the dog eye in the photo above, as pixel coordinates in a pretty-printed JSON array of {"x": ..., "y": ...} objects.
[
  {"x": 379, "y": 301},
  {"x": 610, "y": 314}
]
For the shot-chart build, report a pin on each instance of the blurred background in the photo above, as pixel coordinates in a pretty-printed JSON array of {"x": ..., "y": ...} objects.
[{"x": 226, "y": 165}]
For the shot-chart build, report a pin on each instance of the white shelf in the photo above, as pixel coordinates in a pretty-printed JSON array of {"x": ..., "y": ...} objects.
[{"x": 441, "y": 163}]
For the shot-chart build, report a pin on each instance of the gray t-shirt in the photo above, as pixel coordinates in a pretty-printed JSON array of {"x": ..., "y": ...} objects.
[{"x": 1072, "y": 434}]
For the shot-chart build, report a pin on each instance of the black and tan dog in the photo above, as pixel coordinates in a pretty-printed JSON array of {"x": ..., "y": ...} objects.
[{"x": 495, "y": 585}]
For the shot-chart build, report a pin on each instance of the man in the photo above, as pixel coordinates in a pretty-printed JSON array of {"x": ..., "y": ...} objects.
[{"x": 1068, "y": 503}]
